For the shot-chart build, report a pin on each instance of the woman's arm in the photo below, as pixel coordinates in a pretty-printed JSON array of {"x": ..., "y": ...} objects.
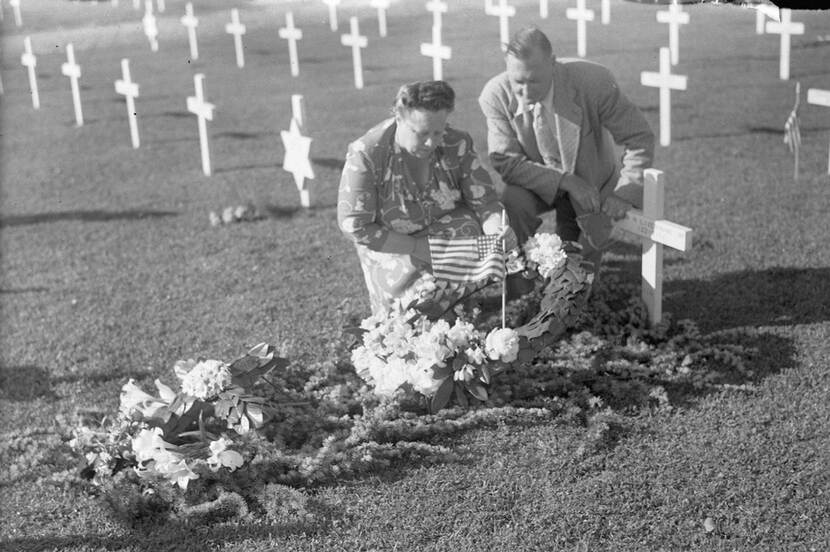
[{"x": 477, "y": 188}]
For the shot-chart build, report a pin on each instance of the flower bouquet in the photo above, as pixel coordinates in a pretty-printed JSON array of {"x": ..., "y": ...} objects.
[{"x": 179, "y": 434}]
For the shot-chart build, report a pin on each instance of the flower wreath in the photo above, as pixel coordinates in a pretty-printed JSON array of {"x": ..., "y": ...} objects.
[{"x": 406, "y": 349}]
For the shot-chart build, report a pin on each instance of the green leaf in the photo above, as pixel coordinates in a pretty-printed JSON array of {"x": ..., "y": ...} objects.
[
  {"x": 460, "y": 396},
  {"x": 246, "y": 371},
  {"x": 254, "y": 412},
  {"x": 442, "y": 396},
  {"x": 477, "y": 390},
  {"x": 442, "y": 372},
  {"x": 485, "y": 374}
]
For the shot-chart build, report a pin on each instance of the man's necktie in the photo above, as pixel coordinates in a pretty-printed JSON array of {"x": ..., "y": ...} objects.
[{"x": 545, "y": 136}]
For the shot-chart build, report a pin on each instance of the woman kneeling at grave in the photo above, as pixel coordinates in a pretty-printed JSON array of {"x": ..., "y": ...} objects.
[{"x": 409, "y": 178}]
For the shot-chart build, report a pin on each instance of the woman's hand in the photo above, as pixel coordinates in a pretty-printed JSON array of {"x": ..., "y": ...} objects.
[{"x": 493, "y": 226}]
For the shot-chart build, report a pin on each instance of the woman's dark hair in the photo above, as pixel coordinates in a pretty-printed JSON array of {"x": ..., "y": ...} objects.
[{"x": 433, "y": 95}]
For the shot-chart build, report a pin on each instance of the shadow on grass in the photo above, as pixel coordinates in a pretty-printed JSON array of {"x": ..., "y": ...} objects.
[
  {"x": 329, "y": 162},
  {"x": 93, "y": 215},
  {"x": 25, "y": 383}
]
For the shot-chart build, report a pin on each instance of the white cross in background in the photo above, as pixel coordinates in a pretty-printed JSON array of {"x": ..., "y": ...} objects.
[
  {"x": 655, "y": 232},
  {"x": 161, "y": 6},
  {"x": 292, "y": 35},
  {"x": 136, "y": 4},
  {"x": 356, "y": 42},
  {"x": 204, "y": 112},
  {"x": 297, "y": 148},
  {"x": 437, "y": 7},
  {"x": 114, "y": 3},
  {"x": 785, "y": 28},
  {"x": 73, "y": 71},
  {"x": 237, "y": 29},
  {"x": 675, "y": 16},
  {"x": 438, "y": 52},
  {"x": 605, "y": 10},
  {"x": 382, "y": 6},
  {"x": 817, "y": 96},
  {"x": 332, "y": 4},
  {"x": 504, "y": 12},
  {"x": 762, "y": 11},
  {"x": 191, "y": 22},
  {"x": 30, "y": 61},
  {"x": 666, "y": 82},
  {"x": 129, "y": 90},
  {"x": 580, "y": 14},
  {"x": 543, "y": 9},
  {"x": 18, "y": 19},
  {"x": 150, "y": 27}
]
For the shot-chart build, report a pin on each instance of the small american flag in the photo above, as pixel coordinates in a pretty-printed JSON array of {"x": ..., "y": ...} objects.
[
  {"x": 792, "y": 134},
  {"x": 465, "y": 260}
]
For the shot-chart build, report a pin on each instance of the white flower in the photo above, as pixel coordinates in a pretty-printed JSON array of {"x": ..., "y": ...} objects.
[
  {"x": 422, "y": 378},
  {"x": 174, "y": 467},
  {"x": 475, "y": 355},
  {"x": 389, "y": 376},
  {"x": 204, "y": 379},
  {"x": 460, "y": 334},
  {"x": 133, "y": 398},
  {"x": 466, "y": 373},
  {"x": 546, "y": 250},
  {"x": 502, "y": 344},
  {"x": 221, "y": 456},
  {"x": 148, "y": 444}
]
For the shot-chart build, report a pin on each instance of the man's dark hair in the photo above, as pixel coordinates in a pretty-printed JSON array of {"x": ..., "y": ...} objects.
[
  {"x": 428, "y": 95},
  {"x": 528, "y": 40}
]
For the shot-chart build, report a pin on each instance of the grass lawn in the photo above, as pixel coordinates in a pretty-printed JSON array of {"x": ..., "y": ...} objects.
[{"x": 109, "y": 270}]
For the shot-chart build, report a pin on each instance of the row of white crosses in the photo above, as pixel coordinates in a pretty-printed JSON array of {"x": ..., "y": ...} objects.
[{"x": 435, "y": 49}]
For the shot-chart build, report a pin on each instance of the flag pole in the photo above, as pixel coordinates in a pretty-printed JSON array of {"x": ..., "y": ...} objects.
[
  {"x": 503, "y": 280},
  {"x": 795, "y": 109}
]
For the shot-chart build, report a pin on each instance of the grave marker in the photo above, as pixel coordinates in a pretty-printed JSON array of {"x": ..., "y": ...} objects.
[
  {"x": 332, "y": 4},
  {"x": 580, "y": 14},
  {"x": 605, "y": 12},
  {"x": 18, "y": 18},
  {"x": 204, "y": 112},
  {"x": 655, "y": 232},
  {"x": 292, "y": 35},
  {"x": 437, "y": 7},
  {"x": 786, "y": 27},
  {"x": 150, "y": 27},
  {"x": 136, "y": 4},
  {"x": 666, "y": 82},
  {"x": 161, "y": 6},
  {"x": 297, "y": 148},
  {"x": 504, "y": 12},
  {"x": 762, "y": 11},
  {"x": 30, "y": 61},
  {"x": 237, "y": 29},
  {"x": 191, "y": 22},
  {"x": 381, "y": 6},
  {"x": 127, "y": 88},
  {"x": 675, "y": 16},
  {"x": 73, "y": 71},
  {"x": 817, "y": 96},
  {"x": 357, "y": 42},
  {"x": 543, "y": 9},
  {"x": 438, "y": 52}
]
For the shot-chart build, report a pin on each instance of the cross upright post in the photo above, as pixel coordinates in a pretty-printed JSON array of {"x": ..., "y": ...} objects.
[
  {"x": 438, "y": 8},
  {"x": 605, "y": 12},
  {"x": 127, "y": 88},
  {"x": 675, "y": 16},
  {"x": 30, "y": 61},
  {"x": 543, "y": 9},
  {"x": 73, "y": 71},
  {"x": 786, "y": 27},
  {"x": 332, "y": 4},
  {"x": 438, "y": 52},
  {"x": 191, "y": 22},
  {"x": 357, "y": 42},
  {"x": 237, "y": 29},
  {"x": 292, "y": 35},
  {"x": 297, "y": 149},
  {"x": 817, "y": 96},
  {"x": 666, "y": 82},
  {"x": 150, "y": 27},
  {"x": 580, "y": 14},
  {"x": 504, "y": 12},
  {"x": 204, "y": 112},
  {"x": 18, "y": 18},
  {"x": 160, "y": 4},
  {"x": 381, "y": 6}
]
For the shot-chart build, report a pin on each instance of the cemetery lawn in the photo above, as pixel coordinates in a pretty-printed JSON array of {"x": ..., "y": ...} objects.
[{"x": 110, "y": 270}]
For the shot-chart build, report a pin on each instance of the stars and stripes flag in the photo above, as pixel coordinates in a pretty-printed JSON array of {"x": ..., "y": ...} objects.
[
  {"x": 464, "y": 260},
  {"x": 792, "y": 134}
]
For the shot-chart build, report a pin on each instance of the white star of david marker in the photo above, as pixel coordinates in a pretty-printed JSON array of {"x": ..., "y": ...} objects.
[{"x": 297, "y": 150}]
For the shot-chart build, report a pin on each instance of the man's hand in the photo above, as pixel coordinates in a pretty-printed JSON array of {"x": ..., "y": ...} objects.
[
  {"x": 583, "y": 195},
  {"x": 616, "y": 207}
]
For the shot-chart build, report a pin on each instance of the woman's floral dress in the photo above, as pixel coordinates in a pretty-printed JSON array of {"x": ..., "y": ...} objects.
[{"x": 379, "y": 202}]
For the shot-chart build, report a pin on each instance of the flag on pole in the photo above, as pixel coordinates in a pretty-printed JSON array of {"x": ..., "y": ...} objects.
[
  {"x": 464, "y": 260},
  {"x": 792, "y": 134}
]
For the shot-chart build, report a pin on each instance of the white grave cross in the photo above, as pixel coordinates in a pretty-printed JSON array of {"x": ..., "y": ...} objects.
[
  {"x": 150, "y": 27},
  {"x": 785, "y": 28},
  {"x": 73, "y": 71},
  {"x": 129, "y": 89},
  {"x": 332, "y": 4},
  {"x": 543, "y": 9},
  {"x": 297, "y": 148},
  {"x": 817, "y": 96},
  {"x": 762, "y": 11},
  {"x": 666, "y": 82},
  {"x": 381, "y": 6},
  {"x": 204, "y": 111},
  {"x": 292, "y": 35},
  {"x": 191, "y": 22},
  {"x": 504, "y": 12},
  {"x": 655, "y": 233},
  {"x": 30, "y": 61},
  {"x": 18, "y": 19},
  {"x": 605, "y": 11},
  {"x": 580, "y": 14},
  {"x": 437, "y": 7},
  {"x": 356, "y": 42},
  {"x": 675, "y": 16},
  {"x": 438, "y": 52},
  {"x": 237, "y": 29}
]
